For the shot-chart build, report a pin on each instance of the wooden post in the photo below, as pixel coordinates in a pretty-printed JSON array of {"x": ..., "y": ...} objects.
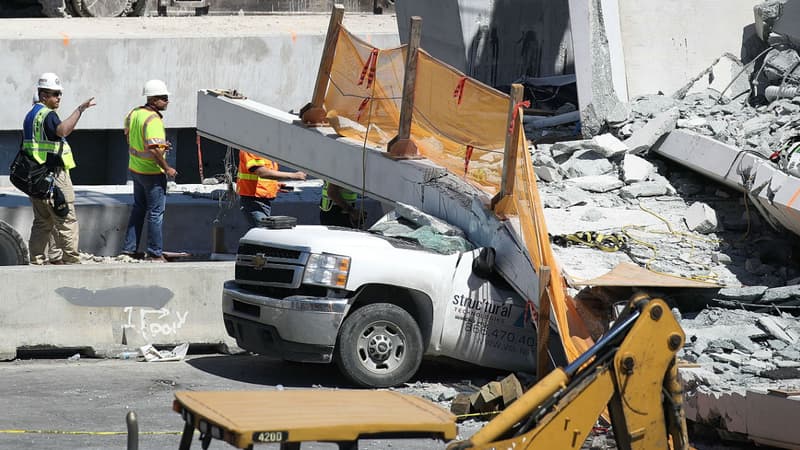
[
  {"x": 543, "y": 324},
  {"x": 401, "y": 146},
  {"x": 313, "y": 114},
  {"x": 512, "y": 142}
]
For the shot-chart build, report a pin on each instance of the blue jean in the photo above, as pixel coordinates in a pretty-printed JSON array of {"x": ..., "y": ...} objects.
[
  {"x": 255, "y": 209},
  {"x": 149, "y": 201}
]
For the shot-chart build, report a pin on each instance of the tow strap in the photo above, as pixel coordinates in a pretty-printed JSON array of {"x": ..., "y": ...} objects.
[{"x": 610, "y": 242}]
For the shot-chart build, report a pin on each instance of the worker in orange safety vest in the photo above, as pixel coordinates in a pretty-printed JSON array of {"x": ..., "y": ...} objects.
[{"x": 257, "y": 185}]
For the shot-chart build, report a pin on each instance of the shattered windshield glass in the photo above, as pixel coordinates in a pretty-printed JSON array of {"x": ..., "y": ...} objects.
[{"x": 412, "y": 225}]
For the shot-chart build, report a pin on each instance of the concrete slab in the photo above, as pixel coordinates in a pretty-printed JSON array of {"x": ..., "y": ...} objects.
[
  {"x": 773, "y": 191},
  {"x": 772, "y": 419}
]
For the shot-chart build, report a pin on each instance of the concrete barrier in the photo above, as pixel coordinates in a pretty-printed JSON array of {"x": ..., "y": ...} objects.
[{"x": 107, "y": 307}]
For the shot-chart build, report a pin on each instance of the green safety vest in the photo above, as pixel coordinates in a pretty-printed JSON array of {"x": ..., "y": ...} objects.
[
  {"x": 40, "y": 146},
  {"x": 326, "y": 204},
  {"x": 144, "y": 129}
]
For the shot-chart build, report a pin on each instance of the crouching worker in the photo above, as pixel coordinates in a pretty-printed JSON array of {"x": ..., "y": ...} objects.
[{"x": 44, "y": 141}]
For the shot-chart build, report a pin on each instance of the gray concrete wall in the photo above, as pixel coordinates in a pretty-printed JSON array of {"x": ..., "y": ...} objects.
[
  {"x": 668, "y": 43},
  {"x": 113, "y": 306},
  {"x": 272, "y": 59},
  {"x": 495, "y": 41}
]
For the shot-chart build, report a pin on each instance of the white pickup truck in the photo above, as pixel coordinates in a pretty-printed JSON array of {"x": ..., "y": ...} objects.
[{"x": 376, "y": 305}]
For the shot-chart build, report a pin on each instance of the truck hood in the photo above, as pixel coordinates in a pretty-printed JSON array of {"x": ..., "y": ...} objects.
[
  {"x": 374, "y": 258},
  {"x": 318, "y": 239}
]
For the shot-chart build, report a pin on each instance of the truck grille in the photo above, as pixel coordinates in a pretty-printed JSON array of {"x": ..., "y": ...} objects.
[
  {"x": 270, "y": 252},
  {"x": 262, "y": 265},
  {"x": 267, "y": 275}
]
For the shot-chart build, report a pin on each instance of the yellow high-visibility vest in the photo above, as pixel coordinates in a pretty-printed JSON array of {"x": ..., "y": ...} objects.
[
  {"x": 39, "y": 146},
  {"x": 144, "y": 129},
  {"x": 326, "y": 204}
]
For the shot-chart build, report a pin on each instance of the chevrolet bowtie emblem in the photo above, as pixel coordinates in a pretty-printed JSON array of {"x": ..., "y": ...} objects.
[{"x": 259, "y": 261}]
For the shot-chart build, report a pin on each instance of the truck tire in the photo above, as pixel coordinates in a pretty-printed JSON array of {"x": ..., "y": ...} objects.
[
  {"x": 379, "y": 345},
  {"x": 13, "y": 250}
]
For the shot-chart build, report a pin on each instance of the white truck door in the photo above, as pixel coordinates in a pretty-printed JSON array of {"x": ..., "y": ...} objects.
[{"x": 486, "y": 324}]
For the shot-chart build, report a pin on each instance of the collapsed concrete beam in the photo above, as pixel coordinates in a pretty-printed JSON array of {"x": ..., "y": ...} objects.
[
  {"x": 320, "y": 152},
  {"x": 773, "y": 191}
]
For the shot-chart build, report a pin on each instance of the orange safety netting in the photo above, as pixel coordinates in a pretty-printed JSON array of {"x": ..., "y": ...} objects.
[{"x": 458, "y": 123}]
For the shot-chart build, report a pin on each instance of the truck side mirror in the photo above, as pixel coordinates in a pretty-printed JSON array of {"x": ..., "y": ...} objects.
[{"x": 483, "y": 264}]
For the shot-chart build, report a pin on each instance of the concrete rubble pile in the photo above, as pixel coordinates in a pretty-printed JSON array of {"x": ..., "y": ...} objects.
[
  {"x": 670, "y": 220},
  {"x": 746, "y": 376},
  {"x": 615, "y": 198}
]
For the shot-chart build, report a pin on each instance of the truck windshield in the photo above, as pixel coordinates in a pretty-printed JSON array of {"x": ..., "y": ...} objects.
[{"x": 437, "y": 237}]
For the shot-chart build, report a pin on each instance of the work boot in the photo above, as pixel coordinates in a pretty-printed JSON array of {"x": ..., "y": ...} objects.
[{"x": 154, "y": 258}]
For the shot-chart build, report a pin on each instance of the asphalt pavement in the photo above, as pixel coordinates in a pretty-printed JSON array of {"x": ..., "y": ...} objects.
[{"x": 82, "y": 404}]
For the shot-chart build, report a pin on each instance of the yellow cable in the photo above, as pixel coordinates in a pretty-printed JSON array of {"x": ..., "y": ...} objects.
[
  {"x": 492, "y": 413},
  {"x": 691, "y": 238},
  {"x": 90, "y": 433}
]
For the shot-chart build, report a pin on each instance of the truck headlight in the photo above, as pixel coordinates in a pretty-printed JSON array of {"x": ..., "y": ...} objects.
[{"x": 327, "y": 270}]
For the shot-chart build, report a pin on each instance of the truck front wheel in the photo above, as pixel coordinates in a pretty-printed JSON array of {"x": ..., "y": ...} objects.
[{"x": 379, "y": 345}]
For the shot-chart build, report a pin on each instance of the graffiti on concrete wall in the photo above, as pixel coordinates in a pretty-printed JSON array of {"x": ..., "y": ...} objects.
[{"x": 154, "y": 323}]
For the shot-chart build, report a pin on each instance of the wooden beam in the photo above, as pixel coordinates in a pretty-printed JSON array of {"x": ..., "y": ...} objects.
[
  {"x": 543, "y": 324},
  {"x": 314, "y": 113},
  {"x": 513, "y": 124},
  {"x": 402, "y": 147}
]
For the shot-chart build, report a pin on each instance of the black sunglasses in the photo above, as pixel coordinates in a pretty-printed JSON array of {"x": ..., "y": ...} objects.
[
  {"x": 52, "y": 93},
  {"x": 163, "y": 97}
]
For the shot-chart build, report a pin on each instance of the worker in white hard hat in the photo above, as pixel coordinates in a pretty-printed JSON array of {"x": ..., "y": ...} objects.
[
  {"x": 147, "y": 148},
  {"x": 54, "y": 234}
]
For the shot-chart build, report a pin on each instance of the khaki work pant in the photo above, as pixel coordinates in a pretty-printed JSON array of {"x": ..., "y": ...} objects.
[{"x": 55, "y": 238}]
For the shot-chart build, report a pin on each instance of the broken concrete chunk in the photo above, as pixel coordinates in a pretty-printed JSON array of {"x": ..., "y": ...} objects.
[
  {"x": 567, "y": 148},
  {"x": 571, "y": 196},
  {"x": 592, "y": 215},
  {"x": 701, "y": 218},
  {"x": 718, "y": 126},
  {"x": 542, "y": 159},
  {"x": 635, "y": 168},
  {"x": 693, "y": 377},
  {"x": 548, "y": 174},
  {"x": 645, "y": 137},
  {"x": 756, "y": 125},
  {"x": 600, "y": 183},
  {"x": 725, "y": 345},
  {"x": 584, "y": 163},
  {"x": 744, "y": 293},
  {"x": 777, "y": 329},
  {"x": 780, "y": 294},
  {"x": 652, "y": 105},
  {"x": 607, "y": 145},
  {"x": 644, "y": 189},
  {"x": 734, "y": 360},
  {"x": 745, "y": 345},
  {"x": 790, "y": 354},
  {"x": 786, "y": 363},
  {"x": 692, "y": 122}
]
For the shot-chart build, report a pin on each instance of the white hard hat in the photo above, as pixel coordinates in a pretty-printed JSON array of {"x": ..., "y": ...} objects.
[
  {"x": 154, "y": 87},
  {"x": 49, "y": 80}
]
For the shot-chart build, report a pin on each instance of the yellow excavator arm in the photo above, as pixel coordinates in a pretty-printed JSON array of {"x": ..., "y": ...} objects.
[{"x": 631, "y": 371}]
